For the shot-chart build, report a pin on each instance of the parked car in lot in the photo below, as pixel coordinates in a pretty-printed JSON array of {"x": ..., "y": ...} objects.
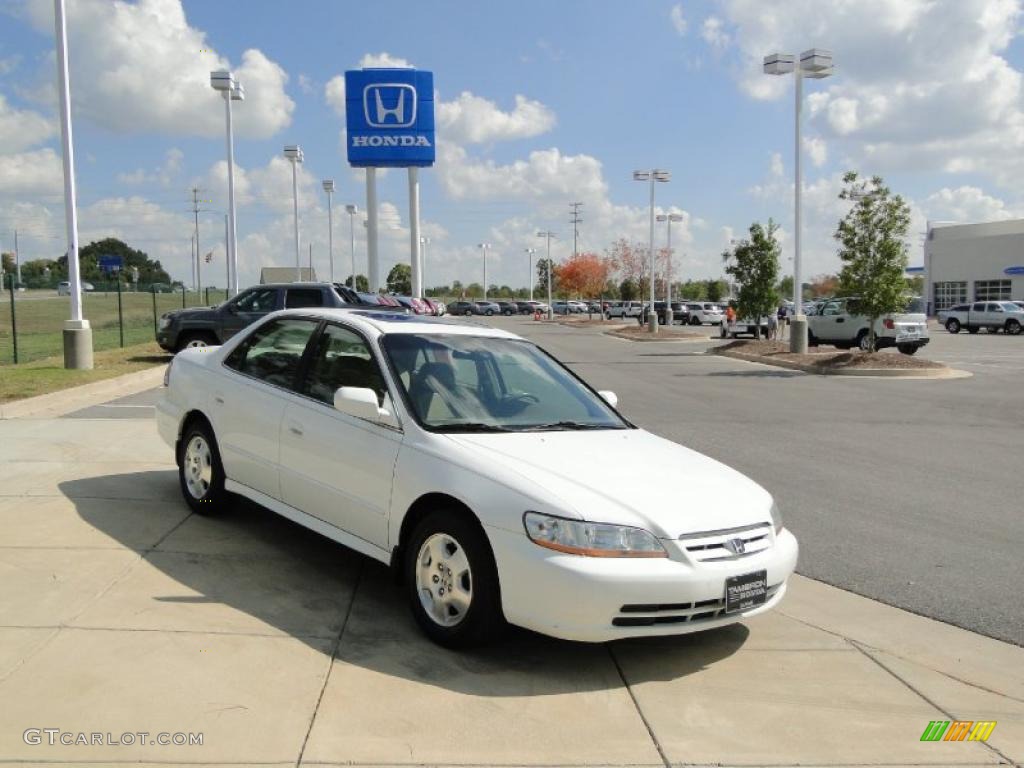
[
  {"x": 679, "y": 313},
  {"x": 209, "y": 326},
  {"x": 508, "y": 307},
  {"x": 488, "y": 308},
  {"x": 64, "y": 287},
  {"x": 526, "y": 307},
  {"x": 563, "y": 308},
  {"x": 837, "y": 323},
  {"x": 464, "y": 308},
  {"x": 417, "y": 306},
  {"x": 437, "y": 307},
  {"x": 498, "y": 485},
  {"x": 703, "y": 313},
  {"x": 624, "y": 309},
  {"x": 995, "y": 316}
]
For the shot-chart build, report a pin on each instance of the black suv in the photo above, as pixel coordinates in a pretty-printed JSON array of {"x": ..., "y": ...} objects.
[
  {"x": 208, "y": 326},
  {"x": 679, "y": 313}
]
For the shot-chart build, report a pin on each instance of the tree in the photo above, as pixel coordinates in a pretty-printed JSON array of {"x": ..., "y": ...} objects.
[
  {"x": 7, "y": 262},
  {"x": 628, "y": 289},
  {"x": 583, "y": 274},
  {"x": 786, "y": 287},
  {"x": 873, "y": 249},
  {"x": 400, "y": 280},
  {"x": 362, "y": 283},
  {"x": 88, "y": 259},
  {"x": 694, "y": 290},
  {"x": 715, "y": 290},
  {"x": 915, "y": 285},
  {"x": 474, "y": 291},
  {"x": 542, "y": 277},
  {"x": 755, "y": 267},
  {"x": 824, "y": 285}
]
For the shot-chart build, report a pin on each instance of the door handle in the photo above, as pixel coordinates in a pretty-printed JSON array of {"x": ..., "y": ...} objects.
[
  {"x": 218, "y": 399},
  {"x": 840, "y": 319},
  {"x": 295, "y": 429}
]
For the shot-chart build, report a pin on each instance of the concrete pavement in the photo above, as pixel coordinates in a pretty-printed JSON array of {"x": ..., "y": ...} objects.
[{"x": 121, "y": 612}]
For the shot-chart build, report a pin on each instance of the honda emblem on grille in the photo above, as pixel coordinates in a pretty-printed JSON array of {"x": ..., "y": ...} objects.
[{"x": 736, "y": 546}]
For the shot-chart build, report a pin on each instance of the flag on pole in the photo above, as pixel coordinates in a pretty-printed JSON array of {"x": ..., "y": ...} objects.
[{"x": 209, "y": 257}]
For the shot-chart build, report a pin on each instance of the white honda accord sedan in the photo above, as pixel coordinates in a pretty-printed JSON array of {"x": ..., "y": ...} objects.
[{"x": 499, "y": 484}]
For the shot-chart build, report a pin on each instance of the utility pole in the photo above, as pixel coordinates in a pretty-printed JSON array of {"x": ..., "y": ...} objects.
[
  {"x": 17, "y": 257},
  {"x": 310, "y": 261},
  {"x": 195, "y": 213},
  {"x": 575, "y": 220}
]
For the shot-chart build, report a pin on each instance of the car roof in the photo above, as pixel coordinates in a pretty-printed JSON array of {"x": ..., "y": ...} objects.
[{"x": 376, "y": 322}]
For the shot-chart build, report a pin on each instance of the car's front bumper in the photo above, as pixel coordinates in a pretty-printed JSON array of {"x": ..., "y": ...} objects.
[{"x": 578, "y": 598}]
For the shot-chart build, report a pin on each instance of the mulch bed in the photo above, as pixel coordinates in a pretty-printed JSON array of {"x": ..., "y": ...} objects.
[{"x": 828, "y": 358}]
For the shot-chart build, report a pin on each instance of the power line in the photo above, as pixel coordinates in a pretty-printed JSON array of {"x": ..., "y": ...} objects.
[{"x": 575, "y": 220}]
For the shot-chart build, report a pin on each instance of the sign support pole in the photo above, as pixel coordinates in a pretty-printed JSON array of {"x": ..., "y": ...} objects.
[
  {"x": 414, "y": 231},
  {"x": 373, "y": 267}
]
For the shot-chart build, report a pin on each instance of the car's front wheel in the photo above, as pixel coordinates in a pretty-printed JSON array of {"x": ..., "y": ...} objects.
[
  {"x": 196, "y": 339},
  {"x": 953, "y": 325},
  {"x": 1013, "y": 327},
  {"x": 452, "y": 581},
  {"x": 468, "y": 312},
  {"x": 200, "y": 472}
]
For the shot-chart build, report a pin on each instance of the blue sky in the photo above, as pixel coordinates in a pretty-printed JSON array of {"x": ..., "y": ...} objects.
[{"x": 604, "y": 88}]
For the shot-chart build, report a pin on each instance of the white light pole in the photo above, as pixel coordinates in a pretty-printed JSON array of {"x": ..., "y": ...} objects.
[
  {"x": 329, "y": 189},
  {"x": 652, "y": 176},
  {"x": 225, "y": 82},
  {"x": 547, "y": 234},
  {"x": 815, "y": 64},
  {"x": 484, "y": 247},
  {"x": 669, "y": 218},
  {"x": 294, "y": 153},
  {"x": 424, "y": 242},
  {"x": 529, "y": 274},
  {"x": 77, "y": 332},
  {"x": 352, "y": 210}
]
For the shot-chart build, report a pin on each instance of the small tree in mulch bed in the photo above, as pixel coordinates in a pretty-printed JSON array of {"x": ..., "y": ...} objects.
[
  {"x": 873, "y": 249},
  {"x": 755, "y": 267}
]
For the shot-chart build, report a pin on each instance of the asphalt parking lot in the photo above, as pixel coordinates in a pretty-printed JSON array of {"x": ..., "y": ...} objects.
[{"x": 120, "y": 611}]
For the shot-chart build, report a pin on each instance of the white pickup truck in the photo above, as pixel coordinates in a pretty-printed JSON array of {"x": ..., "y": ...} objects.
[
  {"x": 623, "y": 309},
  {"x": 833, "y": 323},
  {"x": 993, "y": 315}
]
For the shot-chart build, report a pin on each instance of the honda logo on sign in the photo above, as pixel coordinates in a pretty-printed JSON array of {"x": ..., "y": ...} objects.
[{"x": 389, "y": 105}]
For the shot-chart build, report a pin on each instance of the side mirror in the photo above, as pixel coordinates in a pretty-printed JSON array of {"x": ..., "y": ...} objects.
[
  {"x": 609, "y": 397},
  {"x": 231, "y": 309},
  {"x": 361, "y": 402}
]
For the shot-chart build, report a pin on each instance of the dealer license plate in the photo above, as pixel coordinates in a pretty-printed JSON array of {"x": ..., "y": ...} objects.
[{"x": 746, "y": 591}]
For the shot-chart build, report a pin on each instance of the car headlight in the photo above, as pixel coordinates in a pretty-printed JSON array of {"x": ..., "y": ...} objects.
[
  {"x": 165, "y": 320},
  {"x": 776, "y": 518},
  {"x": 579, "y": 537}
]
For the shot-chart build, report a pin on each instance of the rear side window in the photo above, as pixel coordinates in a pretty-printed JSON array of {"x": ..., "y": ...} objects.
[
  {"x": 980, "y": 307},
  {"x": 297, "y": 298},
  {"x": 273, "y": 351},
  {"x": 258, "y": 300}
]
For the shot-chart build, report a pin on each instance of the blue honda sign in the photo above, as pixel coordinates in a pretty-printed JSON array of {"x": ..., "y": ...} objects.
[
  {"x": 389, "y": 114},
  {"x": 1019, "y": 270}
]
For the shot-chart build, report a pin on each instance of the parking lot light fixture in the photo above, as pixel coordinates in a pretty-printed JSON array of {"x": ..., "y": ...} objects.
[
  {"x": 547, "y": 234},
  {"x": 669, "y": 218},
  {"x": 352, "y": 210},
  {"x": 652, "y": 176},
  {"x": 225, "y": 83},
  {"x": 815, "y": 63},
  {"x": 294, "y": 154},
  {"x": 529, "y": 262},
  {"x": 484, "y": 247},
  {"x": 329, "y": 189}
]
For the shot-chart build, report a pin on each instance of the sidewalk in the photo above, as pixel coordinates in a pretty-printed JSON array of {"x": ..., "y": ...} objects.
[{"x": 121, "y": 612}]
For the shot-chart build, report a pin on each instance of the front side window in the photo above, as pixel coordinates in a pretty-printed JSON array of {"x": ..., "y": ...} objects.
[
  {"x": 342, "y": 359},
  {"x": 456, "y": 383},
  {"x": 258, "y": 300},
  {"x": 273, "y": 351},
  {"x": 297, "y": 298}
]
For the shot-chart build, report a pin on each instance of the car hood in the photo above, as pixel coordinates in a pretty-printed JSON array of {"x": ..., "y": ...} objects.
[
  {"x": 192, "y": 313},
  {"x": 626, "y": 476}
]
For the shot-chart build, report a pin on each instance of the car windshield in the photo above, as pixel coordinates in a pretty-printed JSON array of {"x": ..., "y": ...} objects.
[
  {"x": 915, "y": 306},
  {"x": 457, "y": 383}
]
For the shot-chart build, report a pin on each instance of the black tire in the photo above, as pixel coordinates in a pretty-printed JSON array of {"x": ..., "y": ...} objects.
[
  {"x": 200, "y": 472},
  {"x": 468, "y": 312},
  {"x": 907, "y": 349},
  {"x": 812, "y": 340},
  {"x": 863, "y": 342},
  {"x": 489, "y": 312},
  {"x": 953, "y": 326},
  {"x": 695, "y": 321},
  {"x": 1013, "y": 327},
  {"x": 483, "y": 621},
  {"x": 196, "y": 339},
  {"x": 993, "y": 329},
  {"x": 973, "y": 330},
  {"x": 607, "y": 315}
]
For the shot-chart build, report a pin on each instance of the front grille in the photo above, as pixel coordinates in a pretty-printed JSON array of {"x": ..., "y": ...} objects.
[
  {"x": 713, "y": 546},
  {"x": 674, "y": 613}
]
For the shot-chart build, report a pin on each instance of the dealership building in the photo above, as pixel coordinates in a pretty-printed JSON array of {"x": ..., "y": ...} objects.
[{"x": 974, "y": 262}]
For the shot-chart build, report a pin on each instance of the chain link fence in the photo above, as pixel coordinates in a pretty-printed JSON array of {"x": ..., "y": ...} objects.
[{"x": 121, "y": 315}]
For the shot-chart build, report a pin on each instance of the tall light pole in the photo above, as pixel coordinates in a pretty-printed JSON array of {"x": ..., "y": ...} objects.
[
  {"x": 652, "y": 176},
  {"x": 547, "y": 234},
  {"x": 294, "y": 153},
  {"x": 484, "y": 247},
  {"x": 224, "y": 81},
  {"x": 815, "y": 64},
  {"x": 529, "y": 261},
  {"x": 424, "y": 242},
  {"x": 352, "y": 210},
  {"x": 668, "y": 270},
  {"x": 329, "y": 189},
  {"x": 77, "y": 332}
]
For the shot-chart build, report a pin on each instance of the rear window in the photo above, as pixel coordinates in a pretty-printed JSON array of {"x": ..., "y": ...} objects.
[
  {"x": 1009, "y": 306},
  {"x": 915, "y": 306}
]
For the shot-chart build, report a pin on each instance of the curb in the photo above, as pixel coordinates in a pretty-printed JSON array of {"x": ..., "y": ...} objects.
[
  {"x": 877, "y": 373},
  {"x": 64, "y": 401},
  {"x": 656, "y": 339}
]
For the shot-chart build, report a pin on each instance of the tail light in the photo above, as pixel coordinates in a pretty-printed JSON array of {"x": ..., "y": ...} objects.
[{"x": 889, "y": 324}]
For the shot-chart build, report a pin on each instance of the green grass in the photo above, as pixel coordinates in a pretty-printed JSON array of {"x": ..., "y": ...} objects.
[
  {"x": 49, "y": 375},
  {"x": 41, "y": 316}
]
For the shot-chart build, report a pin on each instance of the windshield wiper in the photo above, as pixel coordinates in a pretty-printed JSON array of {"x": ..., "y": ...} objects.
[
  {"x": 471, "y": 426},
  {"x": 567, "y": 425}
]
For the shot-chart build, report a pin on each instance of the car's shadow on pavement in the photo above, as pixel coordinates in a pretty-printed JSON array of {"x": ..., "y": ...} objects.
[{"x": 247, "y": 569}]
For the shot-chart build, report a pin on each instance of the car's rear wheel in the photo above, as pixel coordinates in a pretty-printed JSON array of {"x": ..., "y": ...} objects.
[
  {"x": 196, "y": 339},
  {"x": 452, "y": 581},
  {"x": 907, "y": 349},
  {"x": 812, "y": 340},
  {"x": 1013, "y": 327},
  {"x": 694, "y": 321},
  {"x": 200, "y": 472},
  {"x": 864, "y": 342},
  {"x": 953, "y": 326},
  {"x": 468, "y": 312}
]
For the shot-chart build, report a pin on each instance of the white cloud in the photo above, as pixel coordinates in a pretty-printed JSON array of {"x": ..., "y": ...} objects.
[
  {"x": 306, "y": 84},
  {"x": 334, "y": 94},
  {"x": 678, "y": 20},
  {"x": 473, "y": 119},
  {"x": 713, "y": 32},
  {"x": 966, "y": 204},
  {"x": 816, "y": 149},
  {"x": 776, "y": 165},
  {"x": 140, "y": 67},
  {"x": 383, "y": 59},
  {"x": 36, "y": 173},
  {"x": 22, "y": 128},
  {"x": 163, "y": 175}
]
